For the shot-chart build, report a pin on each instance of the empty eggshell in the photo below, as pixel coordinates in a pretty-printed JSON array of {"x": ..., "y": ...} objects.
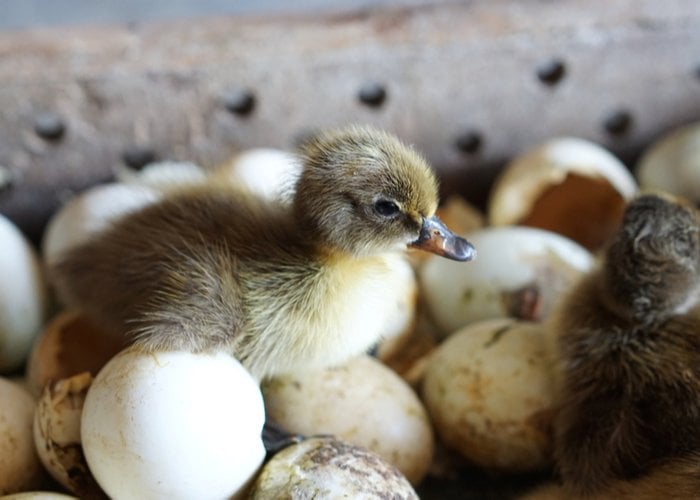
[
  {"x": 489, "y": 391},
  {"x": 20, "y": 468},
  {"x": 57, "y": 435},
  {"x": 327, "y": 469},
  {"x": 520, "y": 272},
  {"x": 672, "y": 163},
  {"x": 173, "y": 425},
  {"x": 24, "y": 298},
  {"x": 271, "y": 173},
  {"x": 69, "y": 344},
  {"x": 90, "y": 212},
  {"x": 362, "y": 402},
  {"x": 571, "y": 186}
]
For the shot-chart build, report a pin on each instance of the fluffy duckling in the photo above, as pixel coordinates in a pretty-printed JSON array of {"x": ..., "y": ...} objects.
[
  {"x": 283, "y": 289},
  {"x": 628, "y": 351}
]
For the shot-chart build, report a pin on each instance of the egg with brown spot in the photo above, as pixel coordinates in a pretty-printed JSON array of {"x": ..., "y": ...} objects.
[
  {"x": 328, "y": 468},
  {"x": 488, "y": 390},
  {"x": 362, "y": 402}
]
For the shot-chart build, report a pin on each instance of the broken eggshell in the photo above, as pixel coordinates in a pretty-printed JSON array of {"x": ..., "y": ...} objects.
[
  {"x": 326, "y": 469},
  {"x": 173, "y": 425},
  {"x": 69, "y": 344},
  {"x": 382, "y": 413},
  {"x": 57, "y": 435},
  {"x": 24, "y": 297},
  {"x": 489, "y": 391},
  {"x": 521, "y": 272},
  {"x": 163, "y": 175},
  {"x": 20, "y": 467},
  {"x": 672, "y": 163},
  {"x": 567, "y": 185}
]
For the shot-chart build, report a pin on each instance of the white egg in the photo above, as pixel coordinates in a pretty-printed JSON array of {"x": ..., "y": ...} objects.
[
  {"x": 489, "y": 391},
  {"x": 672, "y": 163},
  {"x": 90, "y": 212},
  {"x": 571, "y": 186},
  {"x": 362, "y": 402},
  {"x": 20, "y": 468},
  {"x": 173, "y": 425},
  {"x": 271, "y": 173},
  {"x": 519, "y": 272},
  {"x": 38, "y": 495},
  {"x": 163, "y": 175},
  {"x": 24, "y": 298},
  {"x": 329, "y": 469}
]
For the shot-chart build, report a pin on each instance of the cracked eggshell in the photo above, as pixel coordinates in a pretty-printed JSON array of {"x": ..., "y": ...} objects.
[
  {"x": 327, "y": 468},
  {"x": 672, "y": 163},
  {"x": 69, "y": 344},
  {"x": 519, "y": 272},
  {"x": 24, "y": 298},
  {"x": 57, "y": 435},
  {"x": 567, "y": 185},
  {"x": 90, "y": 212},
  {"x": 362, "y": 402},
  {"x": 489, "y": 391},
  {"x": 173, "y": 425},
  {"x": 20, "y": 468},
  {"x": 270, "y": 173}
]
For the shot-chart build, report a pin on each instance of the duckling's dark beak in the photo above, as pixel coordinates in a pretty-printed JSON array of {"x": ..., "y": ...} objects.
[{"x": 436, "y": 238}]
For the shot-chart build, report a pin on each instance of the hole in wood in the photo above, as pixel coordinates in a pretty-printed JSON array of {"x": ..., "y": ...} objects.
[
  {"x": 49, "y": 126},
  {"x": 137, "y": 157},
  {"x": 372, "y": 94},
  {"x": 469, "y": 142},
  {"x": 618, "y": 122},
  {"x": 240, "y": 102},
  {"x": 6, "y": 180},
  {"x": 551, "y": 72}
]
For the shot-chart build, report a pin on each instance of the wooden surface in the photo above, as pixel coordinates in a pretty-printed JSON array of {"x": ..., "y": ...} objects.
[{"x": 460, "y": 79}]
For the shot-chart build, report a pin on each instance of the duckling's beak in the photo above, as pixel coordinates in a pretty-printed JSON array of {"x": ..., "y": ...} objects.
[{"x": 436, "y": 238}]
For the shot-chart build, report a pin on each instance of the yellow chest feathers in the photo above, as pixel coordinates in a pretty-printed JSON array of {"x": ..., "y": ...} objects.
[{"x": 321, "y": 320}]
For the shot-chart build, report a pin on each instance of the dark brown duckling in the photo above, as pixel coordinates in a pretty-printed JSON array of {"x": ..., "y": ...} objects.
[
  {"x": 214, "y": 268},
  {"x": 628, "y": 355}
]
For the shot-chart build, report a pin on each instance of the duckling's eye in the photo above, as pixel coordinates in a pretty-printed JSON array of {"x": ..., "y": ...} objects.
[{"x": 386, "y": 208}]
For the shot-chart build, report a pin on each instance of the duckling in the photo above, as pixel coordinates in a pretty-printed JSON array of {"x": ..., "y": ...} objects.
[
  {"x": 628, "y": 356},
  {"x": 282, "y": 287}
]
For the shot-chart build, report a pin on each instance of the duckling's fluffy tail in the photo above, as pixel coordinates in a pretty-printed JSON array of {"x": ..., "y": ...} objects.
[{"x": 678, "y": 478}]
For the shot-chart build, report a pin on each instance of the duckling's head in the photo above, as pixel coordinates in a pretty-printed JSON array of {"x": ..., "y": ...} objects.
[
  {"x": 362, "y": 191},
  {"x": 652, "y": 268}
]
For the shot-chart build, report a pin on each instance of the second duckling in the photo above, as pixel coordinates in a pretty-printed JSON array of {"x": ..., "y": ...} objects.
[
  {"x": 212, "y": 267},
  {"x": 628, "y": 352}
]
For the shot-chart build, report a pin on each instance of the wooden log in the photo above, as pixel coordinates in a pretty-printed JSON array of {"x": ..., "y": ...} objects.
[{"x": 469, "y": 83}]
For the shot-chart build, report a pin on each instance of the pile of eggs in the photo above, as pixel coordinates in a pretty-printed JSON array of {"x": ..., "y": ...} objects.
[{"x": 464, "y": 371}]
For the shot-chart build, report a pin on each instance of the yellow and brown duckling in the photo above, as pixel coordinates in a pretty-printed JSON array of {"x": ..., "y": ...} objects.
[
  {"x": 214, "y": 268},
  {"x": 628, "y": 355}
]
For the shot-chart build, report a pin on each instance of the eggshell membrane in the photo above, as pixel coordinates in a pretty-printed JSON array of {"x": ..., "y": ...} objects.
[
  {"x": 489, "y": 391},
  {"x": 519, "y": 272},
  {"x": 327, "y": 468},
  {"x": 570, "y": 186},
  {"x": 271, "y": 173},
  {"x": 57, "y": 435},
  {"x": 381, "y": 413},
  {"x": 20, "y": 468},
  {"x": 24, "y": 296},
  {"x": 90, "y": 212},
  {"x": 672, "y": 163},
  {"x": 69, "y": 344},
  {"x": 173, "y": 425}
]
